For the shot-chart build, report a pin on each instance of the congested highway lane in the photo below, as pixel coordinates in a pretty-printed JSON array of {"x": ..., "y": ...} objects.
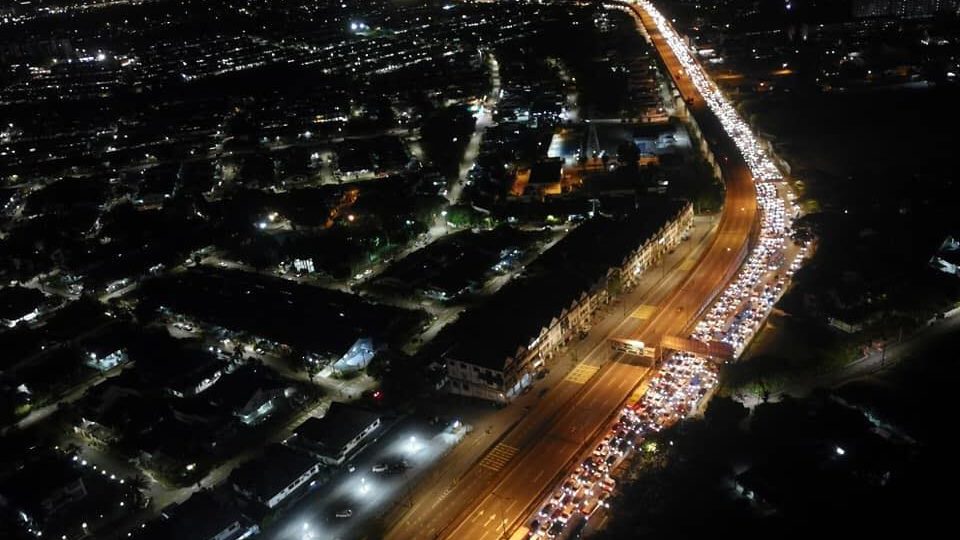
[
  {"x": 536, "y": 470},
  {"x": 458, "y": 483}
]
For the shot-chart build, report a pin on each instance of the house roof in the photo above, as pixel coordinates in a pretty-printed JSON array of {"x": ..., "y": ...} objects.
[
  {"x": 546, "y": 171},
  {"x": 200, "y": 517},
  {"x": 28, "y": 487},
  {"x": 15, "y": 302},
  {"x": 338, "y": 427},
  {"x": 514, "y": 316},
  {"x": 278, "y": 467}
]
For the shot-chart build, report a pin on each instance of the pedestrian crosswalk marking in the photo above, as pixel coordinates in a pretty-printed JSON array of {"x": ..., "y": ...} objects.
[
  {"x": 644, "y": 312},
  {"x": 582, "y": 373},
  {"x": 498, "y": 458}
]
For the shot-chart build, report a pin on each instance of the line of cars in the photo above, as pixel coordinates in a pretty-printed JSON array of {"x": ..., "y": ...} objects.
[
  {"x": 684, "y": 379},
  {"x": 681, "y": 382},
  {"x": 586, "y": 489},
  {"x": 754, "y": 153},
  {"x": 746, "y": 302}
]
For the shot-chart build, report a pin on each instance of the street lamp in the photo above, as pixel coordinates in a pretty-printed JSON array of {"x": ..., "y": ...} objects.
[{"x": 413, "y": 445}]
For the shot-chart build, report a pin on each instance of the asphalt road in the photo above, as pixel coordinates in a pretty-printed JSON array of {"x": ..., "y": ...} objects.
[
  {"x": 466, "y": 472},
  {"x": 546, "y": 449}
]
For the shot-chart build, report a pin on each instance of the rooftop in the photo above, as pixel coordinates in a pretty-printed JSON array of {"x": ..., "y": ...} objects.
[
  {"x": 200, "y": 517},
  {"x": 278, "y": 467},
  {"x": 16, "y": 301},
  {"x": 338, "y": 427},
  {"x": 515, "y": 315},
  {"x": 312, "y": 318}
]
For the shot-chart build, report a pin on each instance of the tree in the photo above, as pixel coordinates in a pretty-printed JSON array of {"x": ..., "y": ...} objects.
[
  {"x": 628, "y": 156},
  {"x": 615, "y": 284},
  {"x": 725, "y": 413}
]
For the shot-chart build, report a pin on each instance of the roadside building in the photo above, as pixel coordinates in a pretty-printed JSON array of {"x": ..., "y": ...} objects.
[
  {"x": 276, "y": 475},
  {"x": 105, "y": 351},
  {"x": 499, "y": 347},
  {"x": 260, "y": 405},
  {"x": 357, "y": 357},
  {"x": 545, "y": 178},
  {"x": 201, "y": 517},
  {"x": 196, "y": 381},
  {"x": 947, "y": 258},
  {"x": 36, "y": 493},
  {"x": 340, "y": 431},
  {"x": 337, "y": 326},
  {"x": 19, "y": 305}
]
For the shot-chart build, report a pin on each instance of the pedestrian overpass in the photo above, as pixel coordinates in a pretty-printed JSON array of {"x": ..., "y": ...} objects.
[{"x": 716, "y": 350}]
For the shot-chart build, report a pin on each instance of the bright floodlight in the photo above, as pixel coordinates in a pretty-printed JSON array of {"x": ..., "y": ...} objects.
[
  {"x": 840, "y": 451},
  {"x": 414, "y": 445}
]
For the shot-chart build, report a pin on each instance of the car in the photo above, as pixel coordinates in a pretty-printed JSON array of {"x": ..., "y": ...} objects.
[
  {"x": 380, "y": 467},
  {"x": 608, "y": 484},
  {"x": 398, "y": 467},
  {"x": 555, "y": 516},
  {"x": 351, "y": 468},
  {"x": 589, "y": 507},
  {"x": 345, "y": 513}
]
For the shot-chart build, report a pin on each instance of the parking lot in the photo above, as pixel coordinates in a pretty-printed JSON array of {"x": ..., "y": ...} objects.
[{"x": 380, "y": 476}]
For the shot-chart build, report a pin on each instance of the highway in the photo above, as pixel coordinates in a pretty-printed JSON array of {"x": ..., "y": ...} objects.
[
  {"x": 544, "y": 454},
  {"x": 472, "y": 469}
]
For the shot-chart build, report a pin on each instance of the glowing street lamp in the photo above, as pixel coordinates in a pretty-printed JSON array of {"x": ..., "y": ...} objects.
[{"x": 413, "y": 445}]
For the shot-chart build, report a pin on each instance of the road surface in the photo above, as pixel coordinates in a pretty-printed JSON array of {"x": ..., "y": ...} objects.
[
  {"x": 542, "y": 453},
  {"x": 437, "y": 502}
]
